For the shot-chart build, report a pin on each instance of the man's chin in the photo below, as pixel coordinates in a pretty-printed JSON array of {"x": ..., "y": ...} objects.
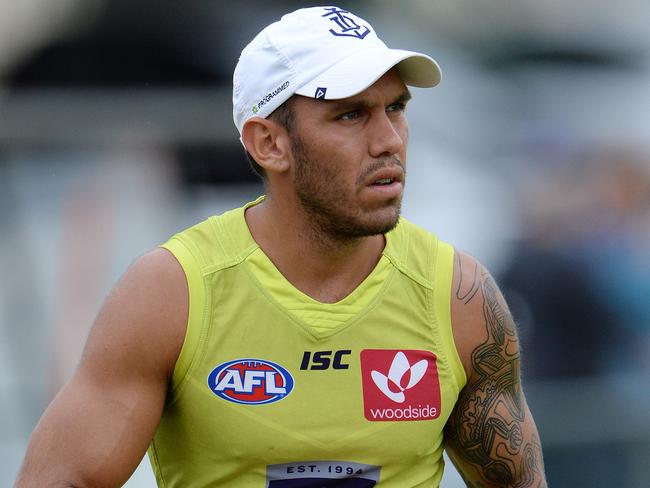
[{"x": 381, "y": 225}]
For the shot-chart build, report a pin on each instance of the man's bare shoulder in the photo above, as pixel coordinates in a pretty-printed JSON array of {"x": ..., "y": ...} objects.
[
  {"x": 145, "y": 314},
  {"x": 467, "y": 305},
  {"x": 113, "y": 403}
]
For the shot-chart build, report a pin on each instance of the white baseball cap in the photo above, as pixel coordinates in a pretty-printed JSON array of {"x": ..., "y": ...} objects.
[{"x": 319, "y": 52}]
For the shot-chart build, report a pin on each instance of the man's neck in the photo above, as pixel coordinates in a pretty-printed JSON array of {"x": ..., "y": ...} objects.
[{"x": 321, "y": 266}]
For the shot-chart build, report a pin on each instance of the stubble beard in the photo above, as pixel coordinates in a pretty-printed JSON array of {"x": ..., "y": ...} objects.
[{"x": 325, "y": 203}]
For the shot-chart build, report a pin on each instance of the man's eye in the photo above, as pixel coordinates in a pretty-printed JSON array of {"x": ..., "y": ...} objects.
[
  {"x": 349, "y": 115},
  {"x": 396, "y": 107}
]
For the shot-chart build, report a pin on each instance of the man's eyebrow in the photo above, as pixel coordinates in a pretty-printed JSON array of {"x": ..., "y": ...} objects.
[
  {"x": 404, "y": 97},
  {"x": 351, "y": 105}
]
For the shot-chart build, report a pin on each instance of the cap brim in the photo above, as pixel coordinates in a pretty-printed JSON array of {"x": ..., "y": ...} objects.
[{"x": 358, "y": 71}]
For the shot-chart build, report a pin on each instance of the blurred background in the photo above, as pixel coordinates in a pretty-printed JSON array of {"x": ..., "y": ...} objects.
[{"x": 533, "y": 155}]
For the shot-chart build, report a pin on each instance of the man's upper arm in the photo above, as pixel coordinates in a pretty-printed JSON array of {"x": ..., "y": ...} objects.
[
  {"x": 491, "y": 435},
  {"x": 98, "y": 427}
]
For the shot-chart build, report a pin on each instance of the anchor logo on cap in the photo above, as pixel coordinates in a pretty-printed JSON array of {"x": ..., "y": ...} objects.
[{"x": 347, "y": 25}]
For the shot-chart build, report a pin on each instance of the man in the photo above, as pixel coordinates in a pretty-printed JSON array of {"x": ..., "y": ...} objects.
[{"x": 312, "y": 338}]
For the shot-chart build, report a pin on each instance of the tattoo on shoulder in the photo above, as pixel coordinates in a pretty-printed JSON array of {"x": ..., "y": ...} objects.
[
  {"x": 486, "y": 429},
  {"x": 466, "y": 289}
]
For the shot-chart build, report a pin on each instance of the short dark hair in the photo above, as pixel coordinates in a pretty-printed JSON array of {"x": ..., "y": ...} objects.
[{"x": 284, "y": 116}]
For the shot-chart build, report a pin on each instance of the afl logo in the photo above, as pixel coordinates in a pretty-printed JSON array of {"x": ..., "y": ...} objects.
[{"x": 250, "y": 381}]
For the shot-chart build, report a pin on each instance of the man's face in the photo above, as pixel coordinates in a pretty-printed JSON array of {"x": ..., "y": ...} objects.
[{"x": 349, "y": 159}]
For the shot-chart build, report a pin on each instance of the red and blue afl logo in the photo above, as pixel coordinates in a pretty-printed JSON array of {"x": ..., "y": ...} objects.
[{"x": 250, "y": 381}]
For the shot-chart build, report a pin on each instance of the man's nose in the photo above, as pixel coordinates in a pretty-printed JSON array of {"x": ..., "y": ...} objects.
[{"x": 385, "y": 138}]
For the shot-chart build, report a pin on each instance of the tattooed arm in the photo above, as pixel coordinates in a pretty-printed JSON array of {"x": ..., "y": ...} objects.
[{"x": 491, "y": 435}]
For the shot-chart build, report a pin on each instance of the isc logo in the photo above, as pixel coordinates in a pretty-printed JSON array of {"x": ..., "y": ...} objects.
[
  {"x": 323, "y": 360},
  {"x": 250, "y": 381}
]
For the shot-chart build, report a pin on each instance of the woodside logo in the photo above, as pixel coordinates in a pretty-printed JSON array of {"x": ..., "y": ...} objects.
[{"x": 400, "y": 385}]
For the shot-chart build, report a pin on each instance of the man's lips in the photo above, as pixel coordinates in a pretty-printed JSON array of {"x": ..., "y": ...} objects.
[
  {"x": 387, "y": 181},
  {"x": 386, "y": 176}
]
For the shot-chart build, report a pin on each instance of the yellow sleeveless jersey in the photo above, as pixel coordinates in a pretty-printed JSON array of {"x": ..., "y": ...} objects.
[{"x": 275, "y": 390}]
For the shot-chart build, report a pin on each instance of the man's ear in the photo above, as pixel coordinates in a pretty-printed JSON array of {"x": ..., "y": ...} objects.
[{"x": 268, "y": 143}]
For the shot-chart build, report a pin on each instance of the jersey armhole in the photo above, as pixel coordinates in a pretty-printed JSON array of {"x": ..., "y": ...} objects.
[
  {"x": 196, "y": 306},
  {"x": 444, "y": 276}
]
